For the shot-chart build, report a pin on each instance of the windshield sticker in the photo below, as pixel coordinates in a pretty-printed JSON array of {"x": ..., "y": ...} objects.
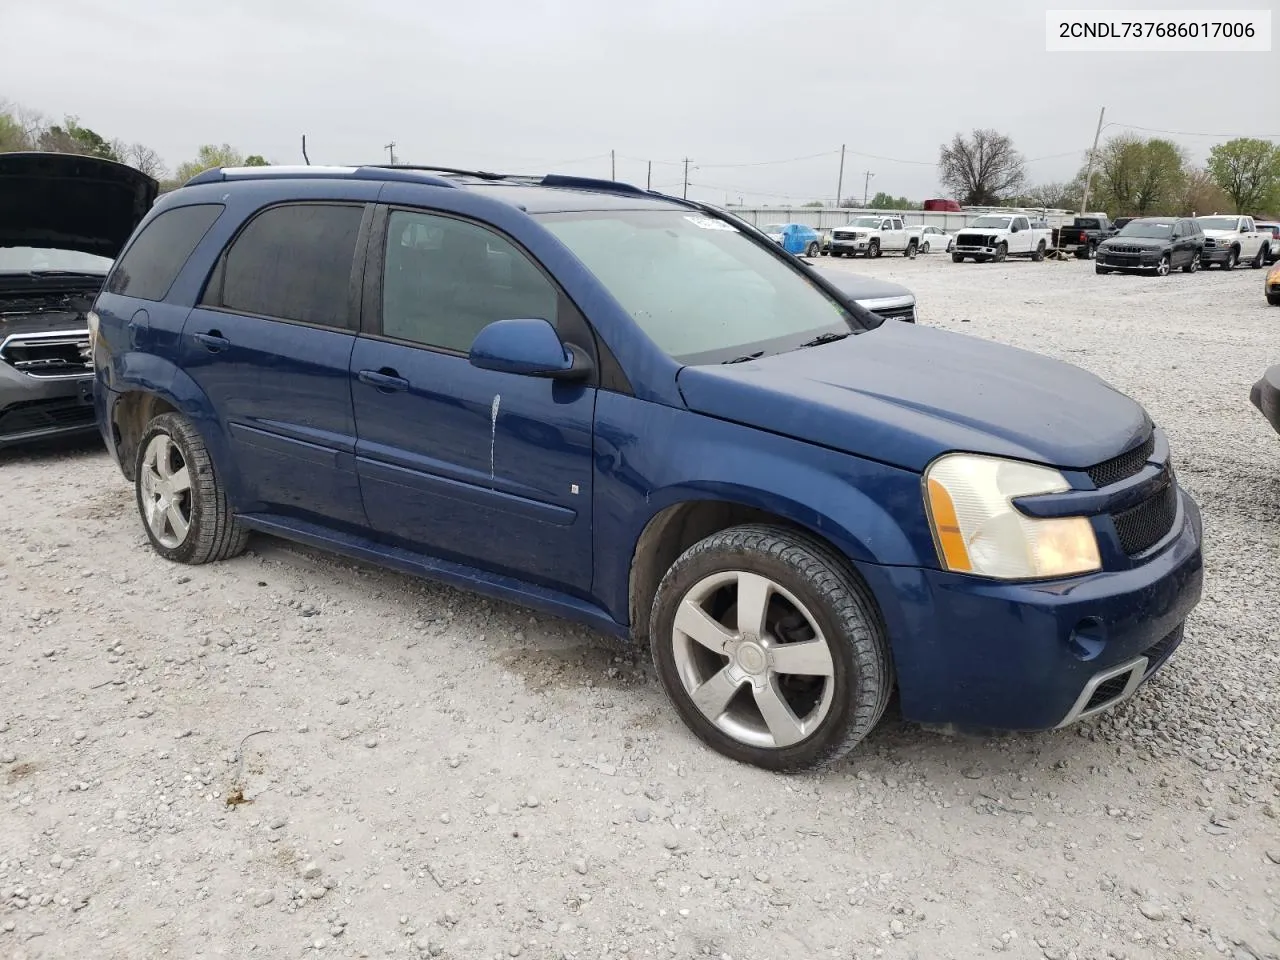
[{"x": 711, "y": 223}]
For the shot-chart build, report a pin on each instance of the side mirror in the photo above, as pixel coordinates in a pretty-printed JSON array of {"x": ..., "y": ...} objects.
[{"x": 531, "y": 348}]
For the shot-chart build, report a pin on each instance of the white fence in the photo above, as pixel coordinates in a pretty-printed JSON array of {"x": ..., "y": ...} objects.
[{"x": 824, "y": 218}]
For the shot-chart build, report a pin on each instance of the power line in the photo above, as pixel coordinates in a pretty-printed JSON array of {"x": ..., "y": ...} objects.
[
  {"x": 1187, "y": 133},
  {"x": 767, "y": 163}
]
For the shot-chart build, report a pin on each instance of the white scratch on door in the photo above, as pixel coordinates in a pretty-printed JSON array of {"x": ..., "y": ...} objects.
[{"x": 493, "y": 430}]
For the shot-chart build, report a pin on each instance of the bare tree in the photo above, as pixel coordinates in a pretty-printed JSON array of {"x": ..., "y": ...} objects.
[
  {"x": 1055, "y": 196},
  {"x": 1136, "y": 177},
  {"x": 981, "y": 169},
  {"x": 142, "y": 157}
]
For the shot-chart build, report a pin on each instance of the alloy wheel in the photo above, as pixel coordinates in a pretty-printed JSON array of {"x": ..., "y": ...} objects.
[{"x": 166, "y": 491}]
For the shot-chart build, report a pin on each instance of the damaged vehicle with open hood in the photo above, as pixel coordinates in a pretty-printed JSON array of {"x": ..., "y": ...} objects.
[{"x": 63, "y": 219}]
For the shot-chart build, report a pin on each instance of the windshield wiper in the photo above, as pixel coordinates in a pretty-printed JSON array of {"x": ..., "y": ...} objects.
[
  {"x": 744, "y": 359},
  {"x": 61, "y": 273},
  {"x": 822, "y": 338}
]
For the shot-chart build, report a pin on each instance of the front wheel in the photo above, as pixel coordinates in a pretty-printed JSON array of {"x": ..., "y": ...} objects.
[
  {"x": 1233, "y": 257},
  {"x": 1273, "y": 299},
  {"x": 957, "y": 258},
  {"x": 911, "y": 250},
  {"x": 1194, "y": 265},
  {"x": 771, "y": 648},
  {"x": 1100, "y": 270},
  {"x": 1162, "y": 269},
  {"x": 1002, "y": 253},
  {"x": 873, "y": 249},
  {"x": 812, "y": 249},
  {"x": 182, "y": 502}
]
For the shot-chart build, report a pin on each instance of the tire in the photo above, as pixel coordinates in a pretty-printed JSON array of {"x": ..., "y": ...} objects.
[
  {"x": 1166, "y": 265},
  {"x": 873, "y": 249},
  {"x": 1194, "y": 265},
  {"x": 1002, "y": 253},
  {"x": 812, "y": 249},
  {"x": 1101, "y": 270},
  {"x": 924, "y": 247},
  {"x": 175, "y": 485},
  {"x": 956, "y": 258},
  {"x": 911, "y": 250},
  {"x": 1081, "y": 254},
  {"x": 807, "y": 586},
  {"x": 1261, "y": 259},
  {"x": 1273, "y": 299},
  {"x": 1233, "y": 257},
  {"x": 1090, "y": 252},
  {"x": 1038, "y": 255}
]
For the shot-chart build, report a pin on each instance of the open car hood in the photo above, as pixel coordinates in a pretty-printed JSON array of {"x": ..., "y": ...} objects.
[{"x": 69, "y": 202}]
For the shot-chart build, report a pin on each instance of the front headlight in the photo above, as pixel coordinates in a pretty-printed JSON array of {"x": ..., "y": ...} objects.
[{"x": 978, "y": 530}]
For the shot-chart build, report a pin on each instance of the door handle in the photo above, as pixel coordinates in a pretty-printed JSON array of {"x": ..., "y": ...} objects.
[
  {"x": 385, "y": 380},
  {"x": 213, "y": 341}
]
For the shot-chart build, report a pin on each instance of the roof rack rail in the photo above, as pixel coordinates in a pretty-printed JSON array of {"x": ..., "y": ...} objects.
[
  {"x": 429, "y": 168},
  {"x": 591, "y": 183}
]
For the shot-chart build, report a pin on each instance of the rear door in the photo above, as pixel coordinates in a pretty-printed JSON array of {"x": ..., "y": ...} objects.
[
  {"x": 270, "y": 344},
  {"x": 487, "y": 468}
]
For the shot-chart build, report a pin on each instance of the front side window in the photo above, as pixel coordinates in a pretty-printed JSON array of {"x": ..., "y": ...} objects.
[
  {"x": 445, "y": 280},
  {"x": 699, "y": 288},
  {"x": 292, "y": 262},
  {"x": 154, "y": 260}
]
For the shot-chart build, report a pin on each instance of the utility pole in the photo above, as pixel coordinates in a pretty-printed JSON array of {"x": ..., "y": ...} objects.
[
  {"x": 686, "y": 178},
  {"x": 840, "y": 179},
  {"x": 391, "y": 148},
  {"x": 613, "y": 167},
  {"x": 866, "y": 187},
  {"x": 1088, "y": 171},
  {"x": 648, "y": 180},
  {"x": 304, "y": 150}
]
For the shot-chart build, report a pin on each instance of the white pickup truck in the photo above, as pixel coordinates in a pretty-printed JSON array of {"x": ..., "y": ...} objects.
[
  {"x": 998, "y": 236},
  {"x": 874, "y": 235},
  {"x": 1228, "y": 240}
]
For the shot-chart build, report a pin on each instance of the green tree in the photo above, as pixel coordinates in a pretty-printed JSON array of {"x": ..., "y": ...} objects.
[
  {"x": 981, "y": 169},
  {"x": 256, "y": 160},
  {"x": 1201, "y": 195},
  {"x": 71, "y": 137},
  {"x": 12, "y": 136},
  {"x": 1136, "y": 177},
  {"x": 1054, "y": 196},
  {"x": 815, "y": 203},
  {"x": 209, "y": 156},
  {"x": 885, "y": 201},
  {"x": 1248, "y": 170}
]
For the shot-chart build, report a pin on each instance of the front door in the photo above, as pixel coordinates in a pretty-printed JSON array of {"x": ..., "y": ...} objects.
[
  {"x": 486, "y": 468},
  {"x": 270, "y": 345}
]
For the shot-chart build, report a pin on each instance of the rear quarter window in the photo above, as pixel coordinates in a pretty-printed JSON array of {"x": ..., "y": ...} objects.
[{"x": 154, "y": 260}]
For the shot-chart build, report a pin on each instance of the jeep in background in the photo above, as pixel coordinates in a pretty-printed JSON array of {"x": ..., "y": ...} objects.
[
  {"x": 1229, "y": 240},
  {"x": 999, "y": 236},
  {"x": 63, "y": 219},
  {"x": 1083, "y": 235},
  {"x": 1156, "y": 245}
]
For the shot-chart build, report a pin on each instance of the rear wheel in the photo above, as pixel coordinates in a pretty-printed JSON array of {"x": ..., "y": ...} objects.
[
  {"x": 770, "y": 648},
  {"x": 182, "y": 502},
  {"x": 1162, "y": 269},
  {"x": 873, "y": 249},
  {"x": 1194, "y": 265},
  {"x": 1038, "y": 255}
]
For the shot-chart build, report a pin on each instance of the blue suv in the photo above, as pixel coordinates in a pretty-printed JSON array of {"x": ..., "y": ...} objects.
[{"x": 638, "y": 412}]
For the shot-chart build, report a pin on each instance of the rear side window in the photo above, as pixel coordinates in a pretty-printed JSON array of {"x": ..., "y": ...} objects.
[
  {"x": 292, "y": 262},
  {"x": 154, "y": 260}
]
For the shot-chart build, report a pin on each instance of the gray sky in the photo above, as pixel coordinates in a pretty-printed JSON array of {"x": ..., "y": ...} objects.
[{"x": 535, "y": 86}]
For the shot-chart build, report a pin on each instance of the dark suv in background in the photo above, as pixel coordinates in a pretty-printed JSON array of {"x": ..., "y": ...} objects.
[
  {"x": 1156, "y": 245},
  {"x": 63, "y": 219}
]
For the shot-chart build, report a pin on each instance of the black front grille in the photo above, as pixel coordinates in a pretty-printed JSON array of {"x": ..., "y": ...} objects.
[
  {"x": 64, "y": 412},
  {"x": 49, "y": 355},
  {"x": 843, "y": 235},
  {"x": 1124, "y": 466},
  {"x": 1162, "y": 649},
  {"x": 972, "y": 240},
  {"x": 897, "y": 313},
  {"x": 1107, "y": 691},
  {"x": 1142, "y": 527},
  {"x": 1127, "y": 251}
]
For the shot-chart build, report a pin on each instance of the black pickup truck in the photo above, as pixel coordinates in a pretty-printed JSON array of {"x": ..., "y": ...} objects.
[{"x": 1083, "y": 236}]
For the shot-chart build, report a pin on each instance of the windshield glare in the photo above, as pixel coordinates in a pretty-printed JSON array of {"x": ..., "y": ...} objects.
[
  {"x": 1148, "y": 229},
  {"x": 866, "y": 222},
  {"x": 1218, "y": 223},
  {"x": 28, "y": 259},
  {"x": 699, "y": 288},
  {"x": 774, "y": 228},
  {"x": 997, "y": 223}
]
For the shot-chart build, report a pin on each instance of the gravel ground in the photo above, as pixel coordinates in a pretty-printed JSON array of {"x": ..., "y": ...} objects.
[{"x": 289, "y": 753}]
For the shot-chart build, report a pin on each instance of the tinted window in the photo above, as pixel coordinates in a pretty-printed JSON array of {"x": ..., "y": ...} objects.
[
  {"x": 445, "y": 280},
  {"x": 154, "y": 260},
  {"x": 292, "y": 263}
]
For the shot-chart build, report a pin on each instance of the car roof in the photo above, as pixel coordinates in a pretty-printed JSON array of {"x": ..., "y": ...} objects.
[{"x": 551, "y": 193}]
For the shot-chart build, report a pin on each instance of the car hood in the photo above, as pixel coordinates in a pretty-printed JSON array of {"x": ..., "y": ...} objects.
[
  {"x": 70, "y": 202},
  {"x": 904, "y": 394},
  {"x": 857, "y": 287},
  {"x": 1143, "y": 243},
  {"x": 1218, "y": 234}
]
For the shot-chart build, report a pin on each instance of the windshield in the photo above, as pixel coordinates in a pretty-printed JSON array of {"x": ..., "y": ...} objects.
[
  {"x": 37, "y": 259},
  {"x": 1218, "y": 223},
  {"x": 866, "y": 222},
  {"x": 700, "y": 289},
  {"x": 1146, "y": 228},
  {"x": 996, "y": 223}
]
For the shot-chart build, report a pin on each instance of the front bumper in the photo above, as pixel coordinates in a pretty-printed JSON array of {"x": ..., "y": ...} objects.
[
  {"x": 40, "y": 408},
  {"x": 1214, "y": 255},
  {"x": 1127, "y": 261},
  {"x": 849, "y": 246},
  {"x": 1265, "y": 395},
  {"x": 1035, "y": 656}
]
